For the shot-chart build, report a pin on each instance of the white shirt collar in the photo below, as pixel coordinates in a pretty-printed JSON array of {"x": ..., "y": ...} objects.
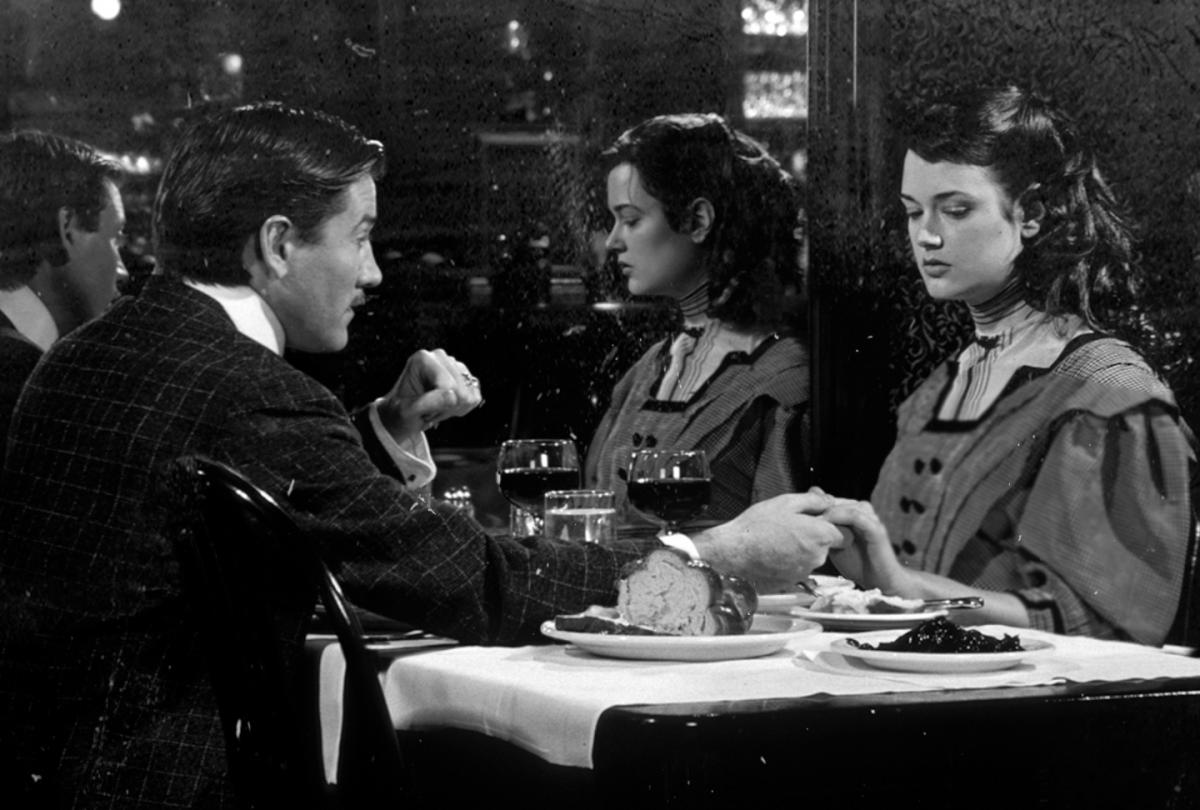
[
  {"x": 29, "y": 315},
  {"x": 249, "y": 311}
]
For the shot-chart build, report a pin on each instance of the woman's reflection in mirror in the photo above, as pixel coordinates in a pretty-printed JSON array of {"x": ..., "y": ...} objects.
[{"x": 704, "y": 217}]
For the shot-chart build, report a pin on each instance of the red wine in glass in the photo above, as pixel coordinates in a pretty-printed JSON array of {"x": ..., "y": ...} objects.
[
  {"x": 529, "y": 468},
  {"x": 671, "y": 485},
  {"x": 526, "y": 486}
]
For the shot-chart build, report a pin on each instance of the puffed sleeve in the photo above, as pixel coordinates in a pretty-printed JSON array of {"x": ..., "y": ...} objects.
[{"x": 1109, "y": 518}]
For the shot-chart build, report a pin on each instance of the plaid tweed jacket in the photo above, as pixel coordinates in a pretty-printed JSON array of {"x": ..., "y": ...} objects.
[
  {"x": 104, "y": 698},
  {"x": 18, "y": 356}
]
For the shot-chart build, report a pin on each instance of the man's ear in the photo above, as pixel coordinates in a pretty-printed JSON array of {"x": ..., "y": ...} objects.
[
  {"x": 273, "y": 246},
  {"x": 264, "y": 256},
  {"x": 701, "y": 216},
  {"x": 67, "y": 227}
]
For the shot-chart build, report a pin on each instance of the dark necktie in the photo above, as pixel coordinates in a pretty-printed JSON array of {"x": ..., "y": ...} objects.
[{"x": 988, "y": 342}]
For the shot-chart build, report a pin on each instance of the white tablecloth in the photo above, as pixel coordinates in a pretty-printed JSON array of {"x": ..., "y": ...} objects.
[{"x": 547, "y": 699}]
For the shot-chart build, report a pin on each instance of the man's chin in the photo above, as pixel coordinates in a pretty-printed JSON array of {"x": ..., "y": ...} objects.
[{"x": 319, "y": 344}]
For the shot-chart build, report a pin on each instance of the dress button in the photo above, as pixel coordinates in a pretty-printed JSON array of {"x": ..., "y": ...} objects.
[
  {"x": 935, "y": 466},
  {"x": 905, "y": 504},
  {"x": 622, "y": 474},
  {"x": 637, "y": 440},
  {"x": 908, "y": 547},
  {"x": 919, "y": 466},
  {"x": 917, "y": 507},
  {"x": 895, "y": 549},
  {"x": 651, "y": 441}
]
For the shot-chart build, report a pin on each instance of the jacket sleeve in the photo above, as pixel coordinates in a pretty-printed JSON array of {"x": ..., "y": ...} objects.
[{"x": 407, "y": 557}]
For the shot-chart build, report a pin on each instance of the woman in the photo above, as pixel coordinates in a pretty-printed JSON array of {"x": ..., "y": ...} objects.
[
  {"x": 703, "y": 216},
  {"x": 1046, "y": 468}
]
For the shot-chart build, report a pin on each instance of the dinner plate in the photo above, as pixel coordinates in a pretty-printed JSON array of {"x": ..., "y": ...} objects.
[
  {"x": 856, "y": 622},
  {"x": 768, "y": 634},
  {"x": 936, "y": 662}
]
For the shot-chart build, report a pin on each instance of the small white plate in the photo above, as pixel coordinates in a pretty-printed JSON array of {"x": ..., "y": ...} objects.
[
  {"x": 855, "y": 622},
  {"x": 768, "y": 634},
  {"x": 936, "y": 662}
]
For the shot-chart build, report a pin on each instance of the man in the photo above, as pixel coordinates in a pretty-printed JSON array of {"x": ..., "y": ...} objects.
[
  {"x": 262, "y": 229},
  {"x": 61, "y": 223}
]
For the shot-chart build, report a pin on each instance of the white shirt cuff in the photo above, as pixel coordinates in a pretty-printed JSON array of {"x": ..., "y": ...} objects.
[
  {"x": 681, "y": 542},
  {"x": 412, "y": 456}
]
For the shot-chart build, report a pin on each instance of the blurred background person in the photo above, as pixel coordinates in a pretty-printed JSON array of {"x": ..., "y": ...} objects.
[
  {"x": 704, "y": 216},
  {"x": 61, "y": 228}
]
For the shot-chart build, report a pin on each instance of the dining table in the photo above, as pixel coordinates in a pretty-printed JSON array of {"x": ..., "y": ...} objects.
[{"x": 1075, "y": 722}]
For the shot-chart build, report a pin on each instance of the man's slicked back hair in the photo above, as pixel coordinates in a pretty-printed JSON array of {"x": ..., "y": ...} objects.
[
  {"x": 232, "y": 170},
  {"x": 41, "y": 174}
]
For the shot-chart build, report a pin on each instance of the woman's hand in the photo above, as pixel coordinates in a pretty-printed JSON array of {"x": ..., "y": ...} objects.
[{"x": 869, "y": 560}]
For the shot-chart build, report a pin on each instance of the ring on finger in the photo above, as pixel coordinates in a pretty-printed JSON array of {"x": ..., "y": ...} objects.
[{"x": 470, "y": 379}]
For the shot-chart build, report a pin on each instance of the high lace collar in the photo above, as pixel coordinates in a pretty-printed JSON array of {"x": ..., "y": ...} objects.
[
  {"x": 694, "y": 306},
  {"x": 993, "y": 314}
]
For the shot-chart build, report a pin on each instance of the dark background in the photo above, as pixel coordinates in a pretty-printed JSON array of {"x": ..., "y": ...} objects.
[
  {"x": 492, "y": 113},
  {"x": 491, "y": 205}
]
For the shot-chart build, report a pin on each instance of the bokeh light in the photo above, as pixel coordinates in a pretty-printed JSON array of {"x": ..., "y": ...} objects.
[{"x": 106, "y": 9}]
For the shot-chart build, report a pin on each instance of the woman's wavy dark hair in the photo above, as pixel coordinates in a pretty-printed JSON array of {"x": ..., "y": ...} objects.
[
  {"x": 752, "y": 251},
  {"x": 1081, "y": 257}
]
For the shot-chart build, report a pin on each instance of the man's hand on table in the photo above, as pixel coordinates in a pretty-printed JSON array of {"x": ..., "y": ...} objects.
[
  {"x": 774, "y": 543},
  {"x": 432, "y": 387}
]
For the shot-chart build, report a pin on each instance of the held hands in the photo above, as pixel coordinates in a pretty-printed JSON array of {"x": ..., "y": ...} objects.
[
  {"x": 868, "y": 557},
  {"x": 432, "y": 387},
  {"x": 774, "y": 543}
]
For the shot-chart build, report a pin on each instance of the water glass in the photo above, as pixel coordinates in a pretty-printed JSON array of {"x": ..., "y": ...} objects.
[{"x": 580, "y": 515}]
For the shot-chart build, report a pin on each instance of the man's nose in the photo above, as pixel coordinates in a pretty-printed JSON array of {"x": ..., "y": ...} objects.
[{"x": 371, "y": 275}]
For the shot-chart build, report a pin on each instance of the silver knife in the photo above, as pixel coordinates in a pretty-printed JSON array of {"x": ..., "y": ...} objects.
[{"x": 960, "y": 603}]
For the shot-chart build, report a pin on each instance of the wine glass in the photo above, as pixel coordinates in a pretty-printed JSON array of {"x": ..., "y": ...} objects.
[
  {"x": 672, "y": 485},
  {"x": 529, "y": 468}
]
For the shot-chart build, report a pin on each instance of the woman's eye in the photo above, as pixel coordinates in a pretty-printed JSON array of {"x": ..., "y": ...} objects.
[
  {"x": 957, "y": 212},
  {"x": 912, "y": 214}
]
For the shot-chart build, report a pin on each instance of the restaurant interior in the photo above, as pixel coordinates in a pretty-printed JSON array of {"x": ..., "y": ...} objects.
[
  {"x": 490, "y": 238},
  {"x": 493, "y": 115}
]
